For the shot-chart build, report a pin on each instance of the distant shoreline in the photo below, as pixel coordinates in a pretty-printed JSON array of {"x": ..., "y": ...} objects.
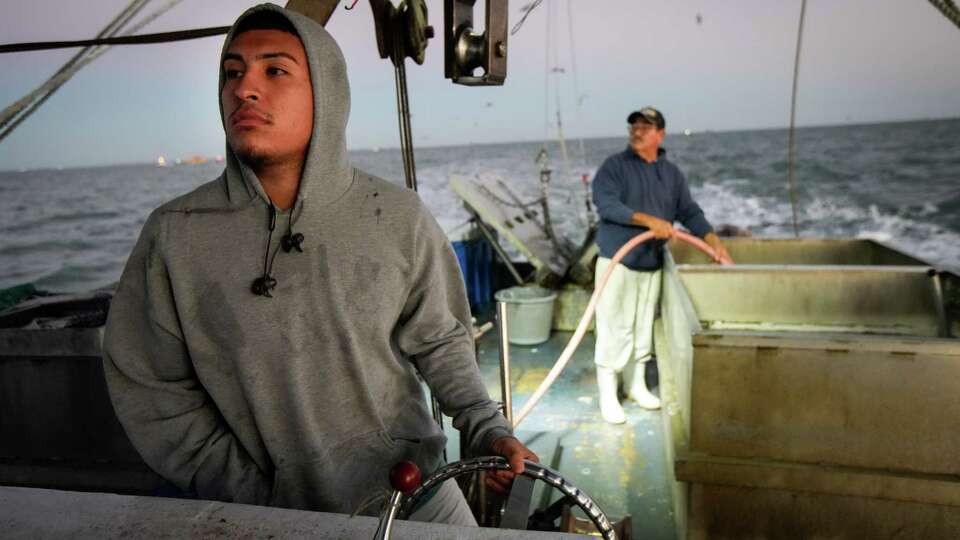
[{"x": 670, "y": 133}]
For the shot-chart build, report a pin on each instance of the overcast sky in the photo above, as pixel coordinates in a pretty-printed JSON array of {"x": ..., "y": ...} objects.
[{"x": 862, "y": 61}]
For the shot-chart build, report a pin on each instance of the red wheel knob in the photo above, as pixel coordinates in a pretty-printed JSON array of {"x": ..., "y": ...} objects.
[{"x": 405, "y": 476}]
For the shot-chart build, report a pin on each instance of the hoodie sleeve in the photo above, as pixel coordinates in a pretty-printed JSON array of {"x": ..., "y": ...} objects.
[
  {"x": 688, "y": 211},
  {"x": 434, "y": 332},
  {"x": 607, "y": 192},
  {"x": 164, "y": 409}
]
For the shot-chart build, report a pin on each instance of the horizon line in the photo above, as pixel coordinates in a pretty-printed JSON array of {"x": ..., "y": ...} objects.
[{"x": 522, "y": 141}]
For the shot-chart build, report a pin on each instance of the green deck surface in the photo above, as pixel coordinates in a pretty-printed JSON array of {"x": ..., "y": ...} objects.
[{"x": 621, "y": 467}]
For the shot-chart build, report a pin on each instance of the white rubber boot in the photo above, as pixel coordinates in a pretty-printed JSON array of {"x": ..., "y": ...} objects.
[
  {"x": 610, "y": 407},
  {"x": 637, "y": 389}
]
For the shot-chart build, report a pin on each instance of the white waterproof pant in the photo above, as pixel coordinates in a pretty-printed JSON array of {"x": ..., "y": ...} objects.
[{"x": 625, "y": 314}]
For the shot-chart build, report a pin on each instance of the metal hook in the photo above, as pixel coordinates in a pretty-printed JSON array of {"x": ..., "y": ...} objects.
[{"x": 351, "y": 6}]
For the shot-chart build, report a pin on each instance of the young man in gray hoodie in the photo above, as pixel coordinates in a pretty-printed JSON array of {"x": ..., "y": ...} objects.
[{"x": 264, "y": 342}]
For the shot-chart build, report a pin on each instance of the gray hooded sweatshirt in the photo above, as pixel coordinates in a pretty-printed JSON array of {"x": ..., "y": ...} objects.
[{"x": 305, "y": 399}]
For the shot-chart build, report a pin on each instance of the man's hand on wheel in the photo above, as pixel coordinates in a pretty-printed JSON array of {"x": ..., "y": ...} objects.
[
  {"x": 660, "y": 228},
  {"x": 515, "y": 452}
]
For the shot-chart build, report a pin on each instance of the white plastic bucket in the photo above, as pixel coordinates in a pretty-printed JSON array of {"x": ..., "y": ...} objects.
[{"x": 529, "y": 313}]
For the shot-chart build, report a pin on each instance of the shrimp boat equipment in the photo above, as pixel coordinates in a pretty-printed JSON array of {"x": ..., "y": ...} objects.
[{"x": 807, "y": 390}]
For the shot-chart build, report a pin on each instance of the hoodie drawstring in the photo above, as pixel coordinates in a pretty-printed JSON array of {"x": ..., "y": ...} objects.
[
  {"x": 289, "y": 242},
  {"x": 263, "y": 284}
]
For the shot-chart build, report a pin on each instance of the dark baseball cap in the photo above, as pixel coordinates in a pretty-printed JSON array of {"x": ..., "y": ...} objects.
[{"x": 648, "y": 115}]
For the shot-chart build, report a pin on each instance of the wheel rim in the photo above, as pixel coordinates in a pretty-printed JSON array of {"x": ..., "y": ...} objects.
[{"x": 531, "y": 469}]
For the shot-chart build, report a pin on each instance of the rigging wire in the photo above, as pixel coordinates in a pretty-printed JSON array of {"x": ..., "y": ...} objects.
[
  {"x": 64, "y": 74},
  {"x": 546, "y": 79},
  {"x": 122, "y": 18},
  {"x": 949, "y": 10},
  {"x": 576, "y": 86},
  {"x": 527, "y": 9},
  {"x": 791, "y": 157},
  {"x": 578, "y": 99},
  {"x": 139, "y": 39},
  {"x": 403, "y": 117},
  {"x": 558, "y": 70}
]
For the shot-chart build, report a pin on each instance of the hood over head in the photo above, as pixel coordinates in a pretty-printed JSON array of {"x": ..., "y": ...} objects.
[{"x": 327, "y": 173}]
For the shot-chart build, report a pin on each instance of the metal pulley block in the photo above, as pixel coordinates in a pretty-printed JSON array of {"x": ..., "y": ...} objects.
[
  {"x": 417, "y": 30},
  {"x": 466, "y": 52},
  {"x": 402, "y": 30}
]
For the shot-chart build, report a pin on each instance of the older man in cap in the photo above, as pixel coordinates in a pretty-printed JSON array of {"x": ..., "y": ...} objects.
[{"x": 634, "y": 191}]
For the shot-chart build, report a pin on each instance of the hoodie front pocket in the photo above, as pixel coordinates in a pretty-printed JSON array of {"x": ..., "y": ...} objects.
[{"x": 344, "y": 476}]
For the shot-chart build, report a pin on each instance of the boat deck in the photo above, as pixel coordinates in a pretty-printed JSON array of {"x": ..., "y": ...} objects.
[{"x": 621, "y": 467}]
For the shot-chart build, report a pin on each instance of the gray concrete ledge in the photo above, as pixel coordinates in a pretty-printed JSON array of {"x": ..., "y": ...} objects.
[{"x": 36, "y": 514}]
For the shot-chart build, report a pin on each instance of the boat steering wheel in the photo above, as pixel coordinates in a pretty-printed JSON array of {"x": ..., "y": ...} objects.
[{"x": 405, "y": 479}]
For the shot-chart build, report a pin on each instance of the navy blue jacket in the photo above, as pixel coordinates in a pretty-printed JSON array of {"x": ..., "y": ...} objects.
[{"x": 626, "y": 183}]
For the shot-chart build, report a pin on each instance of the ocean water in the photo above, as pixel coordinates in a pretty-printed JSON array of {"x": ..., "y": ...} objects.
[{"x": 72, "y": 229}]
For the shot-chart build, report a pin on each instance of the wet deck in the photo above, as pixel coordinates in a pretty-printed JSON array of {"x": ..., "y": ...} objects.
[{"x": 622, "y": 467}]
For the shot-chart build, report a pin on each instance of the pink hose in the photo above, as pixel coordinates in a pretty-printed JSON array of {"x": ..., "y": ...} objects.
[{"x": 592, "y": 306}]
